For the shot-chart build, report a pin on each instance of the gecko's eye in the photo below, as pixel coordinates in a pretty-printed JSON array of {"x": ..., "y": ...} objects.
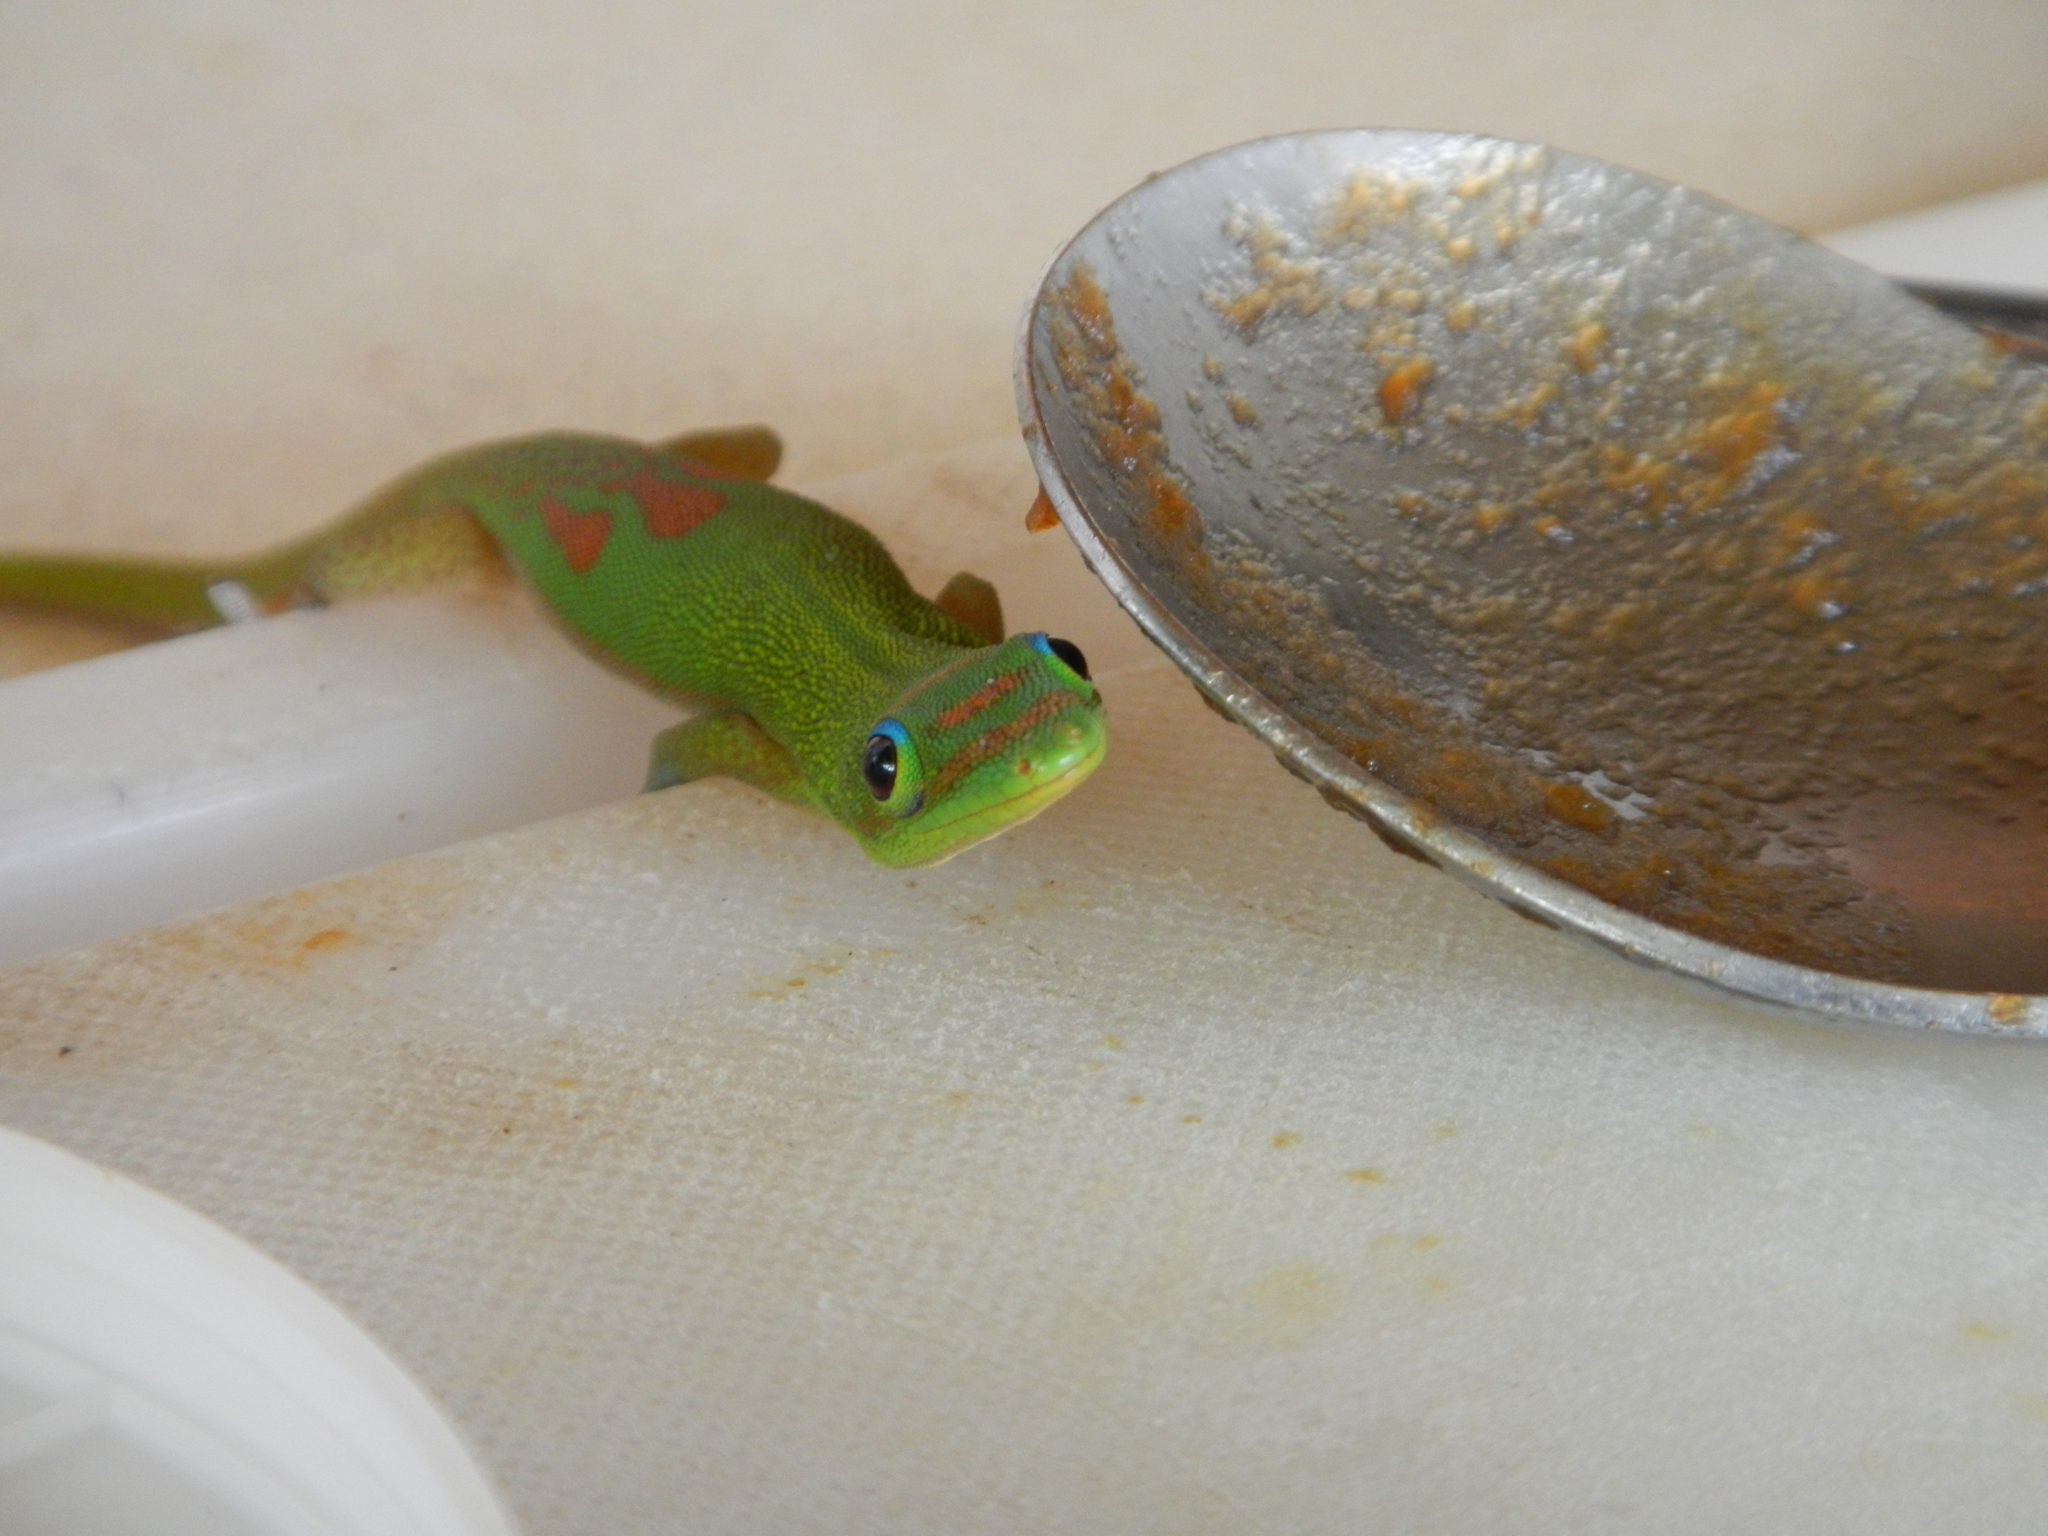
[
  {"x": 888, "y": 766},
  {"x": 1068, "y": 653},
  {"x": 878, "y": 765}
]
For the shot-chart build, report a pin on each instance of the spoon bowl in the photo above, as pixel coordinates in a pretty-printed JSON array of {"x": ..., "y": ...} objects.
[{"x": 1670, "y": 577}]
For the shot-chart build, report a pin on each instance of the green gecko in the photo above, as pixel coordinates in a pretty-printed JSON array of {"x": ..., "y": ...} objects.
[{"x": 818, "y": 674}]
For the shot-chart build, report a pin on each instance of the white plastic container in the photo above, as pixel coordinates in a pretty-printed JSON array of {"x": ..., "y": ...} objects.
[{"x": 160, "y": 1376}]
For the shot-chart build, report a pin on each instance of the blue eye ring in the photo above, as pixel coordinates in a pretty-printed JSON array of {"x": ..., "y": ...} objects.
[
  {"x": 886, "y": 759},
  {"x": 1065, "y": 652},
  {"x": 881, "y": 758}
]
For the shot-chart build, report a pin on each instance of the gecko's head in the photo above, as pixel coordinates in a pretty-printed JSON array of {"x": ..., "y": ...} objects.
[{"x": 985, "y": 743}]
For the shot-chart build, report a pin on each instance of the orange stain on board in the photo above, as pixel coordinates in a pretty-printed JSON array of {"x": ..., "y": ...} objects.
[
  {"x": 581, "y": 536},
  {"x": 319, "y": 943}
]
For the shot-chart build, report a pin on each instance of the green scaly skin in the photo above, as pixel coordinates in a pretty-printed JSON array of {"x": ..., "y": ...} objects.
[{"x": 818, "y": 674}]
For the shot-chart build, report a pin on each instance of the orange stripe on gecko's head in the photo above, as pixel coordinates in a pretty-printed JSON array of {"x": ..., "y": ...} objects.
[
  {"x": 1015, "y": 739},
  {"x": 975, "y": 702}
]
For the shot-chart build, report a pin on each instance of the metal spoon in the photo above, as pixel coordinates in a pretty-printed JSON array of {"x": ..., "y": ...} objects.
[{"x": 1671, "y": 578}]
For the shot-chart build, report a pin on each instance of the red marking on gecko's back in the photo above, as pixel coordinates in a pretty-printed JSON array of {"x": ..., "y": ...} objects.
[
  {"x": 581, "y": 535},
  {"x": 669, "y": 508}
]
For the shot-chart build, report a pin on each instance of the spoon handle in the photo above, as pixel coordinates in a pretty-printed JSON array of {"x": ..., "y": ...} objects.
[{"x": 2020, "y": 318}]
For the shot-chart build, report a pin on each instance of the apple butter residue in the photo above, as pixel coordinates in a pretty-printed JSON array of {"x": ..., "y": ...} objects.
[
  {"x": 1716, "y": 588},
  {"x": 1122, "y": 419}
]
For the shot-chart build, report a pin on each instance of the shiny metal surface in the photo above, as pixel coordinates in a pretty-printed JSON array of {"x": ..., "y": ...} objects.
[
  {"x": 1671, "y": 578},
  {"x": 2021, "y": 319}
]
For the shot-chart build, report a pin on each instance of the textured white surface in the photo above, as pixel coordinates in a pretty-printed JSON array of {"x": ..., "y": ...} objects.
[{"x": 1184, "y": 1162}]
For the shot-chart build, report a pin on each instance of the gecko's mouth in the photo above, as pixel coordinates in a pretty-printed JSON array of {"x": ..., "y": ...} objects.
[{"x": 971, "y": 827}]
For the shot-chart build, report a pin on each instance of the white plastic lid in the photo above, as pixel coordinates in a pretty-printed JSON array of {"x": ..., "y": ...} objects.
[{"x": 158, "y": 1374}]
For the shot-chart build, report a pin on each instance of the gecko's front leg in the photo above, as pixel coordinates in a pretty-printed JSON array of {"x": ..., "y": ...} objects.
[{"x": 725, "y": 742}]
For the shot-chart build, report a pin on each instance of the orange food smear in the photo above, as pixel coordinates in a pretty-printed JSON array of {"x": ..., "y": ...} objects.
[
  {"x": 1124, "y": 420},
  {"x": 1733, "y": 441},
  {"x": 1577, "y": 807},
  {"x": 1401, "y": 390},
  {"x": 1584, "y": 348}
]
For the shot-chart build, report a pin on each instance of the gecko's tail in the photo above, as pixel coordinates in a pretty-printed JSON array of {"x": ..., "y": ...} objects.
[{"x": 164, "y": 596}]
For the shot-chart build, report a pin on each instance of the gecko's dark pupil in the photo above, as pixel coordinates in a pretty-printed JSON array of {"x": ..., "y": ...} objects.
[
  {"x": 1068, "y": 652},
  {"x": 878, "y": 765}
]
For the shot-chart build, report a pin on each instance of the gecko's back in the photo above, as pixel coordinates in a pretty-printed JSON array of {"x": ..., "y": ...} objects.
[{"x": 702, "y": 584}]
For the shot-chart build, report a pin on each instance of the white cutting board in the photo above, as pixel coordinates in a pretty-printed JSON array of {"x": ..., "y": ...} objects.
[{"x": 1183, "y": 1163}]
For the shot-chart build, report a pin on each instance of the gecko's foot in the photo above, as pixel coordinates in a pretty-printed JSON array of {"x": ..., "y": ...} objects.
[
  {"x": 742, "y": 453},
  {"x": 973, "y": 604}
]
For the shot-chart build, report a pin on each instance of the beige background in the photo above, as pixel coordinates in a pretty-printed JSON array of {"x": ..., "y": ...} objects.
[{"x": 254, "y": 258}]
